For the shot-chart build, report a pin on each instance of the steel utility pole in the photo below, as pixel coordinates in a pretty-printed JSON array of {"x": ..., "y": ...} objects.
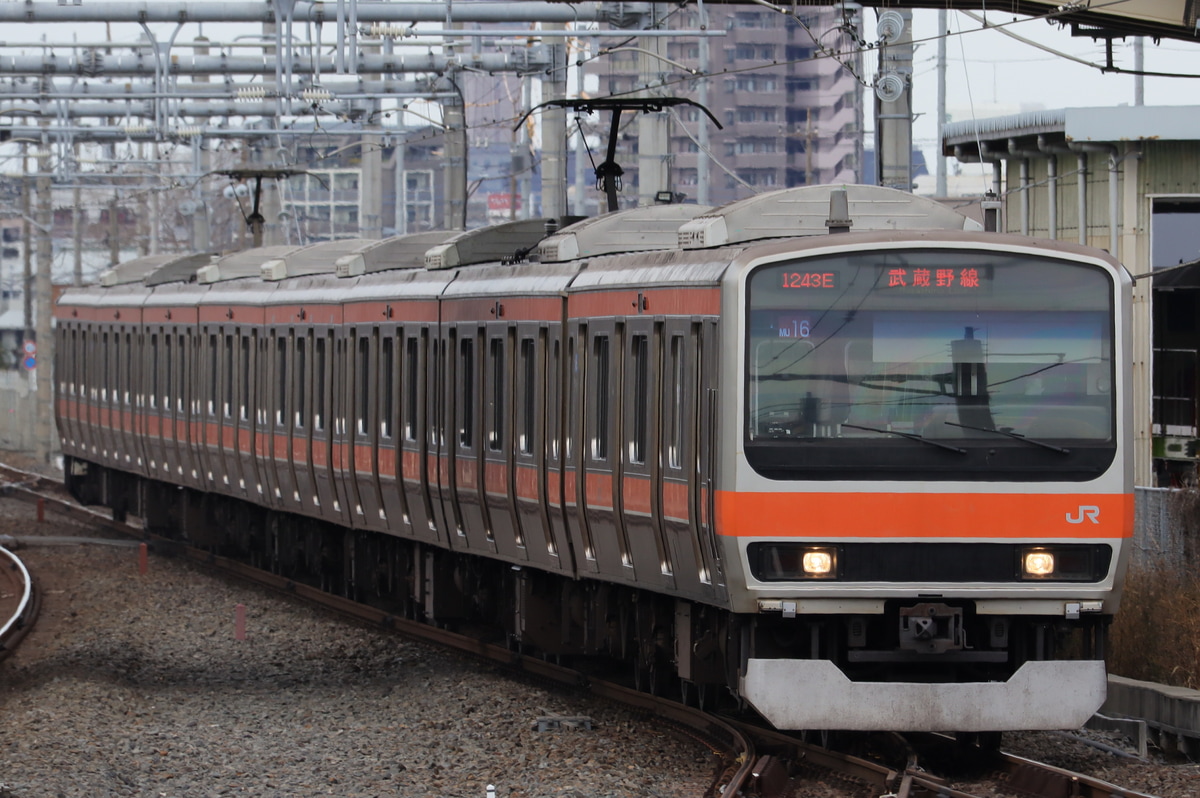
[
  {"x": 942, "y": 188},
  {"x": 653, "y": 138},
  {"x": 554, "y": 132},
  {"x": 893, "y": 101},
  {"x": 45, "y": 335}
]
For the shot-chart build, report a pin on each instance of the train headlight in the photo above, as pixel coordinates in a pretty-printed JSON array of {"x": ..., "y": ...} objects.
[
  {"x": 818, "y": 562},
  {"x": 792, "y": 562},
  {"x": 1037, "y": 563}
]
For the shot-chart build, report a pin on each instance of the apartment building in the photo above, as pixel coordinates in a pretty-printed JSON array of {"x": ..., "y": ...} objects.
[{"x": 792, "y": 114}]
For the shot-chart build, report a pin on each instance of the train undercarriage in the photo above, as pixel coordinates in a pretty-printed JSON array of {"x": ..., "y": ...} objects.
[{"x": 657, "y": 643}]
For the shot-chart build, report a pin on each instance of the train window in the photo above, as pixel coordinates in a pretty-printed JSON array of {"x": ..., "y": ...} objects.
[
  {"x": 227, "y": 409},
  {"x": 466, "y": 430},
  {"x": 443, "y": 352},
  {"x": 101, "y": 354},
  {"x": 127, "y": 376},
  {"x": 496, "y": 433},
  {"x": 168, "y": 371},
  {"x": 244, "y": 397},
  {"x": 320, "y": 381},
  {"x": 302, "y": 381},
  {"x": 640, "y": 346},
  {"x": 411, "y": 388},
  {"x": 600, "y": 410},
  {"x": 71, "y": 356},
  {"x": 181, "y": 383},
  {"x": 573, "y": 390},
  {"x": 528, "y": 394},
  {"x": 387, "y": 389},
  {"x": 107, "y": 368},
  {"x": 553, "y": 388},
  {"x": 154, "y": 371},
  {"x": 969, "y": 362},
  {"x": 674, "y": 403},
  {"x": 282, "y": 385},
  {"x": 261, "y": 397},
  {"x": 363, "y": 384},
  {"x": 115, "y": 373},
  {"x": 214, "y": 371}
]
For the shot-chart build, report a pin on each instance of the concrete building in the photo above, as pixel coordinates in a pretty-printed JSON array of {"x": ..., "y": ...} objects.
[
  {"x": 1127, "y": 180},
  {"x": 792, "y": 115}
]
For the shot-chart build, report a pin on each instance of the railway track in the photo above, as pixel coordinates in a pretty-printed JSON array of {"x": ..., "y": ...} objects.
[
  {"x": 18, "y": 601},
  {"x": 756, "y": 761}
]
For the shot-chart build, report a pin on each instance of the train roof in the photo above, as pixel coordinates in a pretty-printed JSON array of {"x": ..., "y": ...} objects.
[
  {"x": 398, "y": 252},
  {"x": 155, "y": 269},
  {"x": 806, "y": 211},
  {"x": 635, "y": 230},
  {"x": 238, "y": 265},
  {"x": 507, "y": 241},
  {"x": 319, "y": 258}
]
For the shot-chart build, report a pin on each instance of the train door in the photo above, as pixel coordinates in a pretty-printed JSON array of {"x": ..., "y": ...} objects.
[
  {"x": 573, "y": 425},
  {"x": 248, "y": 398},
  {"x": 365, "y": 429},
  {"x": 467, "y": 429},
  {"x": 193, "y": 392},
  {"x": 158, "y": 419},
  {"x": 391, "y": 370},
  {"x": 683, "y": 428},
  {"x": 600, "y": 456},
  {"x": 131, "y": 456},
  {"x": 66, "y": 403},
  {"x": 641, "y": 470},
  {"x": 206, "y": 419},
  {"x": 112, "y": 375},
  {"x": 267, "y": 380},
  {"x": 343, "y": 441},
  {"x": 415, "y": 428},
  {"x": 103, "y": 412},
  {"x": 532, "y": 429},
  {"x": 712, "y": 577},
  {"x": 88, "y": 432},
  {"x": 498, "y": 444},
  {"x": 228, "y": 443},
  {"x": 169, "y": 462},
  {"x": 324, "y": 474},
  {"x": 301, "y": 433},
  {"x": 438, "y": 395},
  {"x": 141, "y": 399}
]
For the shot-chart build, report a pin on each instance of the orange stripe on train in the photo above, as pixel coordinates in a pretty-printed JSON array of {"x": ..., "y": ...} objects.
[{"x": 925, "y": 515}]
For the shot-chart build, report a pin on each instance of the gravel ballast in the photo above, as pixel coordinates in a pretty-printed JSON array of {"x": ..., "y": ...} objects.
[{"x": 134, "y": 684}]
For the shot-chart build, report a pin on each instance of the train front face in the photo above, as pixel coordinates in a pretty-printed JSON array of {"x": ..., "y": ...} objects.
[{"x": 929, "y": 495}]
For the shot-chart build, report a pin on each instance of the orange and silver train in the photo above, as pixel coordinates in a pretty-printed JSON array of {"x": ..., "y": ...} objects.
[{"x": 860, "y": 468}]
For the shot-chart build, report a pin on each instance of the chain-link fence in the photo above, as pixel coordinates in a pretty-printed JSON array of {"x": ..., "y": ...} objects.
[{"x": 1165, "y": 526}]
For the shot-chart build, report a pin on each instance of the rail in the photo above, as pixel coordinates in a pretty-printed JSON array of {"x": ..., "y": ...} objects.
[{"x": 26, "y": 610}]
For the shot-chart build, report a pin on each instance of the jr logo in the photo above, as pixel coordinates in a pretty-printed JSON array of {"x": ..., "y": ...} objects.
[{"x": 1087, "y": 511}]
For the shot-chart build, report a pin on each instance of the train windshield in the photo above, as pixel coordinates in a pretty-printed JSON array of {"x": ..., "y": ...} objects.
[{"x": 913, "y": 364}]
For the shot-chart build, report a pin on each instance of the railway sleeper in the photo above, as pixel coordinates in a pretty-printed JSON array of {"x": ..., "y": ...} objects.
[{"x": 663, "y": 645}]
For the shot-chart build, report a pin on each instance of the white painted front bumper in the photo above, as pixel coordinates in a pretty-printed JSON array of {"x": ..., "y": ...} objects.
[{"x": 815, "y": 694}]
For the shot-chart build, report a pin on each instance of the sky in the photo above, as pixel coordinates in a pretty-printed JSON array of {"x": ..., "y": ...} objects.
[{"x": 992, "y": 74}]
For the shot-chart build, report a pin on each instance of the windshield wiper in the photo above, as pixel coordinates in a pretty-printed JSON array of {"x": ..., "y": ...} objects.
[
  {"x": 909, "y": 435},
  {"x": 1016, "y": 435}
]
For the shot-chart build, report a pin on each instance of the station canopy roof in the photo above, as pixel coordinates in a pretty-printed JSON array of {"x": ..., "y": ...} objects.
[{"x": 1160, "y": 19}]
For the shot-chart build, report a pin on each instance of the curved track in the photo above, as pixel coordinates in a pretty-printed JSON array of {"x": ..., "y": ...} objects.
[{"x": 18, "y": 601}]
